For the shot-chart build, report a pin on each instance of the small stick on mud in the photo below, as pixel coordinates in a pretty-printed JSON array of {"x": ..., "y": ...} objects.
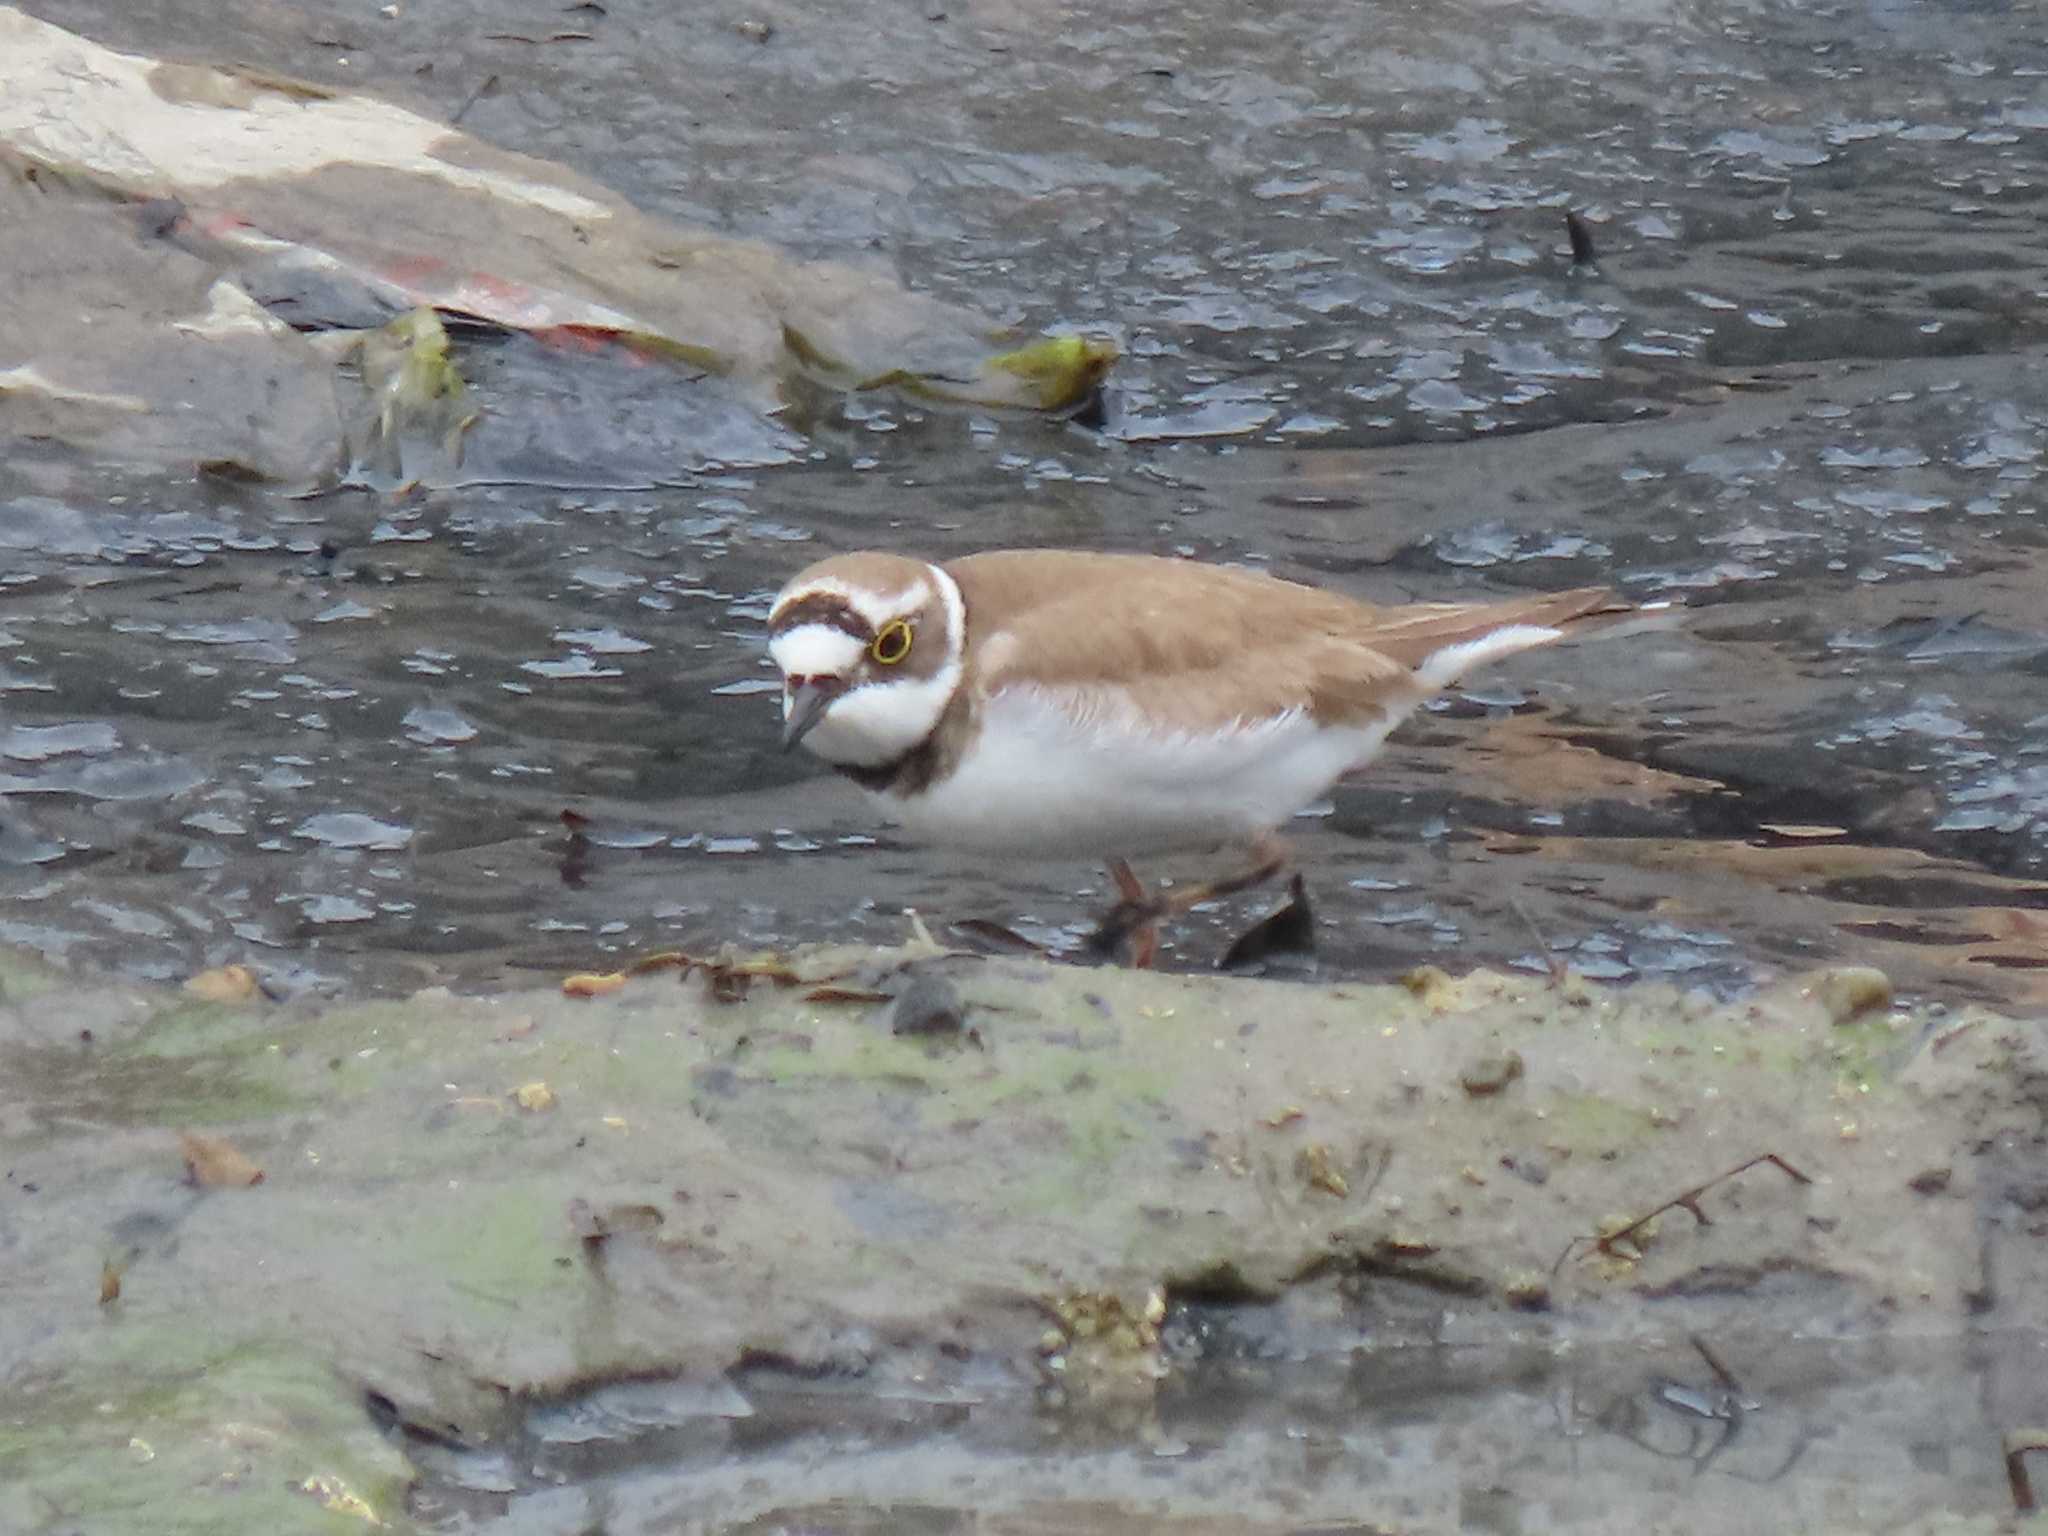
[
  {"x": 1560, "y": 972},
  {"x": 1723, "y": 1377},
  {"x": 485, "y": 87},
  {"x": 1687, "y": 1201}
]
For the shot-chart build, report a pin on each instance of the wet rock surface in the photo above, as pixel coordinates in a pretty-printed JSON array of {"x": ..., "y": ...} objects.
[
  {"x": 1146, "y": 1243},
  {"x": 1797, "y": 388}
]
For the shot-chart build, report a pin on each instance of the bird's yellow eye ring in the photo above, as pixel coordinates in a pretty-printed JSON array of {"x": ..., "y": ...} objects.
[{"x": 892, "y": 644}]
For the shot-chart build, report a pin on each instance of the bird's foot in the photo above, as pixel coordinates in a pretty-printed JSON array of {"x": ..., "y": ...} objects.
[{"x": 1134, "y": 920}]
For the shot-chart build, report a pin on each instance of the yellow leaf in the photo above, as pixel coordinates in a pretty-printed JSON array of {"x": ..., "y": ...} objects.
[
  {"x": 1061, "y": 370},
  {"x": 335, "y": 1494},
  {"x": 214, "y": 1162},
  {"x": 223, "y": 984}
]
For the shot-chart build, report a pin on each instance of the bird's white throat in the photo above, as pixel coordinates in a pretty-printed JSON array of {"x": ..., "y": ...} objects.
[{"x": 874, "y": 724}]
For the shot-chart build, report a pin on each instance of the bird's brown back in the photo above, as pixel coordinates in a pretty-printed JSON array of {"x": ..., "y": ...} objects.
[{"x": 1199, "y": 647}]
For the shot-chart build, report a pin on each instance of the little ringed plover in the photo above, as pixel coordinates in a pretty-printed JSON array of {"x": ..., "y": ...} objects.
[{"x": 1054, "y": 702}]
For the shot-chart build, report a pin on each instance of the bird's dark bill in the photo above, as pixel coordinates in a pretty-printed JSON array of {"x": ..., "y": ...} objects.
[{"x": 807, "y": 706}]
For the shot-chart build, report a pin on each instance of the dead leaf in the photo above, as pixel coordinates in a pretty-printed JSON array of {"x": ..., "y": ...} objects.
[
  {"x": 224, "y": 984},
  {"x": 534, "y": 1096},
  {"x": 1490, "y": 1075},
  {"x": 837, "y": 994},
  {"x": 662, "y": 960},
  {"x": 1434, "y": 986},
  {"x": 337, "y": 1497},
  {"x": 214, "y": 1162},
  {"x": 110, "y": 1282},
  {"x": 1290, "y": 929},
  {"x": 732, "y": 979},
  {"x": 593, "y": 984},
  {"x": 984, "y": 934},
  {"x": 1319, "y": 1171}
]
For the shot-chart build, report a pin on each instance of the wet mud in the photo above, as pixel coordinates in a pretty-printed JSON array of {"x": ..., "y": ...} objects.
[{"x": 723, "y": 1250}]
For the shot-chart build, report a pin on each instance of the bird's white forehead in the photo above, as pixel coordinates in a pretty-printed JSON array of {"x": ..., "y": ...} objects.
[
  {"x": 815, "y": 650},
  {"x": 878, "y": 608}
]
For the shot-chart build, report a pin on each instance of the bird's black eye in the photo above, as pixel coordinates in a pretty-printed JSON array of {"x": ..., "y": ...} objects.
[{"x": 892, "y": 644}]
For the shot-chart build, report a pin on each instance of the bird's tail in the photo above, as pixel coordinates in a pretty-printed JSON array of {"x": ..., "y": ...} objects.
[{"x": 1443, "y": 642}]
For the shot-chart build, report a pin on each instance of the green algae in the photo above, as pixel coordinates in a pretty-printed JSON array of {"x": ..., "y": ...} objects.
[
  {"x": 167, "y": 1437},
  {"x": 1600, "y": 1127}
]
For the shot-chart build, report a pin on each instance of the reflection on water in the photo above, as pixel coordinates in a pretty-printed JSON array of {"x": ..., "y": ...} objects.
[
  {"x": 1250, "y": 1434},
  {"x": 335, "y": 736}
]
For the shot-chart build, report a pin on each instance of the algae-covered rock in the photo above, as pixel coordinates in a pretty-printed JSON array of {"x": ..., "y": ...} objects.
[
  {"x": 250, "y": 182},
  {"x": 765, "y": 1171}
]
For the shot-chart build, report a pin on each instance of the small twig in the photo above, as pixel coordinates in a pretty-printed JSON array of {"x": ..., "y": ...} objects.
[
  {"x": 1722, "y": 1375},
  {"x": 1560, "y": 972},
  {"x": 484, "y": 87},
  {"x": 1687, "y": 1201}
]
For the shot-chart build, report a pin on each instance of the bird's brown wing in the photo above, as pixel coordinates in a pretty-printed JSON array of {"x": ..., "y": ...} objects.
[{"x": 1198, "y": 647}]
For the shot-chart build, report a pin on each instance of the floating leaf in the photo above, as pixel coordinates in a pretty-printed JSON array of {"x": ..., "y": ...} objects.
[{"x": 1059, "y": 370}]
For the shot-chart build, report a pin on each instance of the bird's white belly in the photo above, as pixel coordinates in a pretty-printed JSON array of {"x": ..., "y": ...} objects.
[{"x": 1039, "y": 779}]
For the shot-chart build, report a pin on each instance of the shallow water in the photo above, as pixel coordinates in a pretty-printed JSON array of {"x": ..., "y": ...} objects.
[{"x": 1429, "y": 1437}]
